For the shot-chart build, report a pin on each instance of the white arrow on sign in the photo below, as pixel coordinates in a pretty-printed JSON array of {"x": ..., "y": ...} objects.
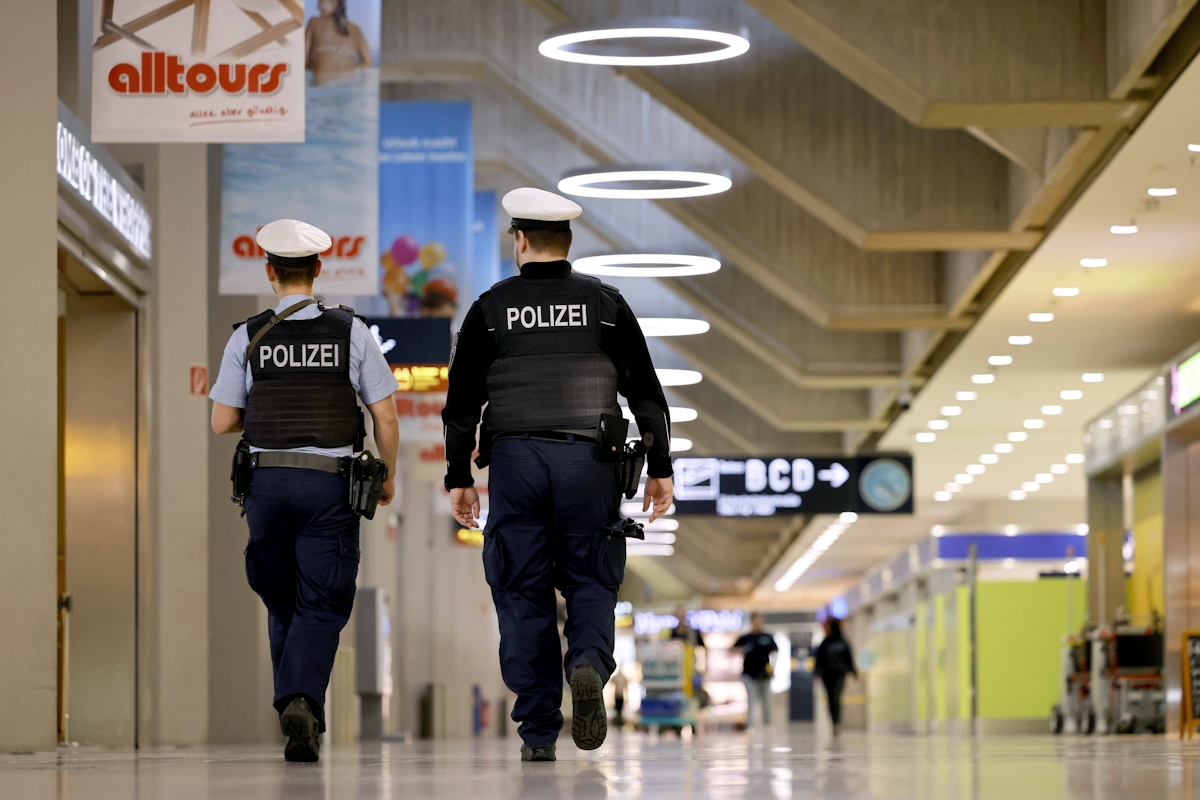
[{"x": 835, "y": 476}]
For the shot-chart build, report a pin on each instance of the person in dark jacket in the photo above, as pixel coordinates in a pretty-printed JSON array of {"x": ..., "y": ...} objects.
[{"x": 834, "y": 661}]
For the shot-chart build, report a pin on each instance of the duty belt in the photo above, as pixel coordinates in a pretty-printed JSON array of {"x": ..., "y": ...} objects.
[
  {"x": 549, "y": 436},
  {"x": 283, "y": 458}
]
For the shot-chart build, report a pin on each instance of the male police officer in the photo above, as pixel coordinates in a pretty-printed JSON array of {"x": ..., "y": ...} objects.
[
  {"x": 548, "y": 351},
  {"x": 290, "y": 378}
]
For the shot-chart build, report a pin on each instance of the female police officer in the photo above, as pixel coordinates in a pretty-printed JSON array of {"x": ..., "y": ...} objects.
[
  {"x": 548, "y": 351},
  {"x": 290, "y": 378}
]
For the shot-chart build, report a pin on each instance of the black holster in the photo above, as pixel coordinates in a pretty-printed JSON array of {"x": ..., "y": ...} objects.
[
  {"x": 367, "y": 474},
  {"x": 485, "y": 445},
  {"x": 633, "y": 459},
  {"x": 240, "y": 474}
]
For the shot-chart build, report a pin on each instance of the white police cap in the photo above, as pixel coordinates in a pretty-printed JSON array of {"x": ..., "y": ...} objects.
[
  {"x": 292, "y": 243},
  {"x": 534, "y": 210}
]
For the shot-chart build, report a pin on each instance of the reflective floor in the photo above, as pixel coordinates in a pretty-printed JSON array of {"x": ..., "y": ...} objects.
[{"x": 792, "y": 764}]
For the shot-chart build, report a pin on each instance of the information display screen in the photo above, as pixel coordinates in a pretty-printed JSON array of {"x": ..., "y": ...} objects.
[{"x": 773, "y": 485}]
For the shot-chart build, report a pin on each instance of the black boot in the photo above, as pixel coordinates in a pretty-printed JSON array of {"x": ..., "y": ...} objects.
[
  {"x": 538, "y": 753},
  {"x": 299, "y": 724},
  {"x": 589, "y": 720}
]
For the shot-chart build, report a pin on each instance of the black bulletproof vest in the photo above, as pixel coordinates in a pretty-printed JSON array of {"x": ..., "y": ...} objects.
[
  {"x": 549, "y": 373},
  {"x": 302, "y": 395}
]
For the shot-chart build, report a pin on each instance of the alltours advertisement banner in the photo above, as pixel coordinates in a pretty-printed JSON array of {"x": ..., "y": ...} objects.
[
  {"x": 332, "y": 179},
  {"x": 198, "y": 71},
  {"x": 426, "y": 207}
]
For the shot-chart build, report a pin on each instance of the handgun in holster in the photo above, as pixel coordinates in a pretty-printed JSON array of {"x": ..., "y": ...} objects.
[
  {"x": 485, "y": 445},
  {"x": 367, "y": 476},
  {"x": 240, "y": 474},
  {"x": 633, "y": 460}
]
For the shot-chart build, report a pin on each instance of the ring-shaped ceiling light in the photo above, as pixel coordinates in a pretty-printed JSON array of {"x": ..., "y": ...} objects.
[
  {"x": 651, "y": 42},
  {"x": 671, "y": 326},
  {"x": 678, "y": 377},
  {"x": 648, "y": 265},
  {"x": 666, "y": 183}
]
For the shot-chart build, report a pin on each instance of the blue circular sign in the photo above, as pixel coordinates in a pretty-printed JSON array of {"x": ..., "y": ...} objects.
[{"x": 885, "y": 485}]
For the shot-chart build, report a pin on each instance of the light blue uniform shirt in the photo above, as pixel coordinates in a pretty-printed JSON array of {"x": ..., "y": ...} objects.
[{"x": 370, "y": 374}]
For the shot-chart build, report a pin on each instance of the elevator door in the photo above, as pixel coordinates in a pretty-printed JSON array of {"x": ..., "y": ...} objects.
[{"x": 99, "y": 524}]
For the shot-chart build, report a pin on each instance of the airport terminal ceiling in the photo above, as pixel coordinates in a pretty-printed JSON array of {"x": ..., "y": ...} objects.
[{"x": 891, "y": 222}]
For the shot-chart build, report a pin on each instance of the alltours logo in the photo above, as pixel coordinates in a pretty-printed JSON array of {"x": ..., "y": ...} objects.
[
  {"x": 164, "y": 74},
  {"x": 342, "y": 247}
]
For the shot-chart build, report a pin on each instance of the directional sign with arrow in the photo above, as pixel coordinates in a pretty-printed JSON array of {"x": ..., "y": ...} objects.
[{"x": 770, "y": 486}]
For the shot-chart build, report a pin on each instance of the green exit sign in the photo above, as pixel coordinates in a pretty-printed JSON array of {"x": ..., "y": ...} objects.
[{"x": 1185, "y": 383}]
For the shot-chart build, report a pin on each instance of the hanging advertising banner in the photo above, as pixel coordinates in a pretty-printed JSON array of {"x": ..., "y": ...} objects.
[
  {"x": 485, "y": 253},
  {"x": 198, "y": 71},
  {"x": 332, "y": 179},
  {"x": 426, "y": 207},
  {"x": 767, "y": 487}
]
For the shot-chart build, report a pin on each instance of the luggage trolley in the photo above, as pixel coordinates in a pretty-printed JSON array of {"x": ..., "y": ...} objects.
[
  {"x": 669, "y": 701},
  {"x": 1127, "y": 680}
]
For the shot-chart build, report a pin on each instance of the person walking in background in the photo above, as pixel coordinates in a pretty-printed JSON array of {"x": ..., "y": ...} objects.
[
  {"x": 834, "y": 661},
  {"x": 757, "y": 647}
]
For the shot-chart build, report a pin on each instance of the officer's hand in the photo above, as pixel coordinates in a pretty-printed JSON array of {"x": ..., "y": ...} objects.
[
  {"x": 389, "y": 491},
  {"x": 464, "y": 505},
  {"x": 662, "y": 491}
]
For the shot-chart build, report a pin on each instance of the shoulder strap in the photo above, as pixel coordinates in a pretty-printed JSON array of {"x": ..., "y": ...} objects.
[{"x": 276, "y": 318}]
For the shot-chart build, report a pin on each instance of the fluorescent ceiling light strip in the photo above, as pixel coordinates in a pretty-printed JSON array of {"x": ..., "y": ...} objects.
[
  {"x": 639, "y": 266},
  {"x": 678, "y": 414},
  {"x": 652, "y": 550},
  {"x": 735, "y": 45},
  {"x": 669, "y": 326},
  {"x": 678, "y": 377},
  {"x": 704, "y": 183}
]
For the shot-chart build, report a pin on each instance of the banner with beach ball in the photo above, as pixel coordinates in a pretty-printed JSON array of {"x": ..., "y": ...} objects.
[
  {"x": 426, "y": 208},
  {"x": 331, "y": 180}
]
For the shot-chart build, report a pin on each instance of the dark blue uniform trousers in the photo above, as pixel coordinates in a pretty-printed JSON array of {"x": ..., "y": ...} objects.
[
  {"x": 302, "y": 560},
  {"x": 549, "y": 505}
]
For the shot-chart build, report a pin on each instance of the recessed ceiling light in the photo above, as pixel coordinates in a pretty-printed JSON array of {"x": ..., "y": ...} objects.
[
  {"x": 999, "y": 361},
  {"x": 1030, "y": 486},
  {"x": 678, "y": 377},
  {"x": 990, "y": 458},
  {"x": 570, "y": 43},
  {"x": 1002, "y": 448},
  {"x": 925, "y": 437},
  {"x": 1066, "y": 291},
  {"x": 950, "y": 411},
  {"x": 1105, "y": 423},
  {"x": 983, "y": 378},
  {"x": 1044, "y": 477},
  {"x": 1016, "y": 494},
  {"x": 668, "y": 326},
  {"x": 1071, "y": 394},
  {"x": 1017, "y": 436},
  {"x": 680, "y": 445},
  {"x": 1093, "y": 262},
  {"x": 1045, "y": 316},
  {"x": 649, "y": 265},
  {"x": 976, "y": 469},
  {"x": 966, "y": 397},
  {"x": 1082, "y": 529},
  {"x": 942, "y": 497},
  {"x": 1011, "y": 530},
  {"x": 1020, "y": 340},
  {"x": 1162, "y": 191},
  {"x": 1195, "y": 148},
  {"x": 1093, "y": 377},
  {"x": 1123, "y": 230},
  {"x": 1052, "y": 411},
  {"x": 696, "y": 184},
  {"x": 1059, "y": 469},
  {"x": 964, "y": 478},
  {"x": 1074, "y": 458},
  {"x": 938, "y": 424},
  {"x": 1035, "y": 424}
]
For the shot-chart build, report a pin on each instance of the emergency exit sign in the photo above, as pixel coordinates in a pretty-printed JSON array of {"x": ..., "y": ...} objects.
[{"x": 777, "y": 485}]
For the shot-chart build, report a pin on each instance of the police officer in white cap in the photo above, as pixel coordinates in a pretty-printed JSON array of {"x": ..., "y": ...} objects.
[
  {"x": 548, "y": 352},
  {"x": 290, "y": 381}
]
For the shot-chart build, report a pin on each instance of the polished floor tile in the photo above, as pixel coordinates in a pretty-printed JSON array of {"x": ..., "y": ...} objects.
[{"x": 779, "y": 765}]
